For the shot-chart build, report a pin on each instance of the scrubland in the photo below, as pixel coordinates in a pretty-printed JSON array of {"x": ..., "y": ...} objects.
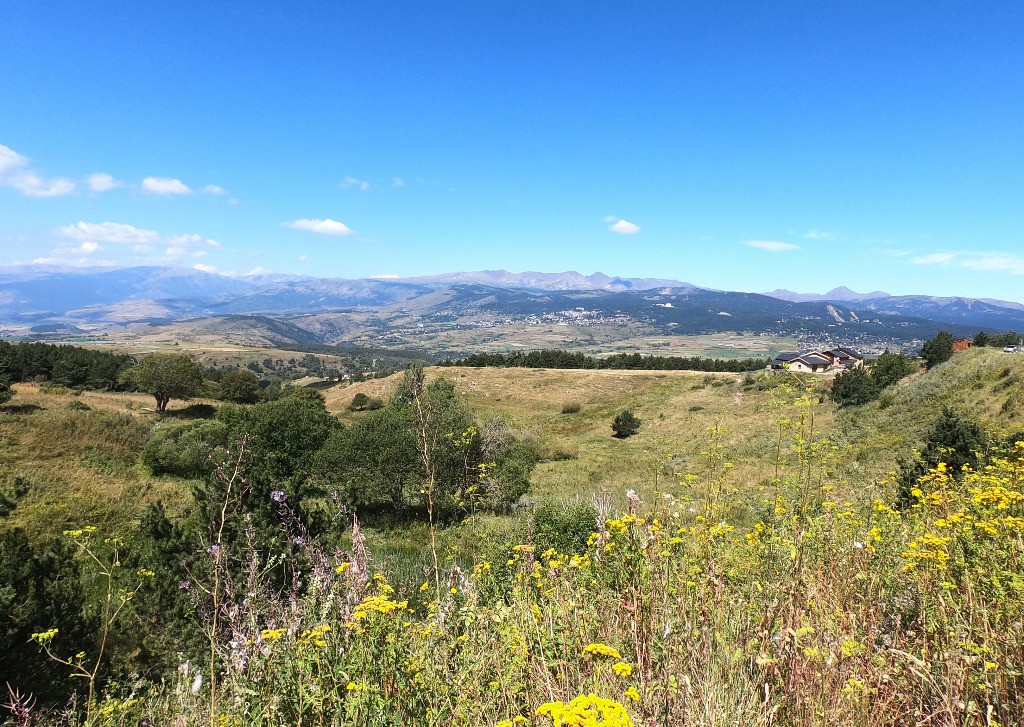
[{"x": 740, "y": 561}]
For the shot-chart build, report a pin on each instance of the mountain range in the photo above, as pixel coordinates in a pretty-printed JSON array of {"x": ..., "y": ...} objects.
[{"x": 303, "y": 309}]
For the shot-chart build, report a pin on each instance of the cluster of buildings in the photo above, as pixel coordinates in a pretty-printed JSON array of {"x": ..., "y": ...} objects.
[{"x": 839, "y": 358}]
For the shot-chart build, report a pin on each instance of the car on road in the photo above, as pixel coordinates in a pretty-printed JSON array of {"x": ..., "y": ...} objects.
[{"x": 1009, "y": 349}]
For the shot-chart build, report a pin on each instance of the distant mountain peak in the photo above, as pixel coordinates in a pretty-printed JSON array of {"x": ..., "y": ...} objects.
[
  {"x": 532, "y": 280},
  {"x": 841, "y": 294}
]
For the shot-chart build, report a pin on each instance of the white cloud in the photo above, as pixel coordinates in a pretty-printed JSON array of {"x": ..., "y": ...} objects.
[
  {"x": 1000, "y": 262},
  {"x": 1004, "y": 262},
  {"x": 302, "y": 258},
  {"x": 398, "y": 182},
  {"x": 16, "y": 172},
  {"x": 165, "y": 185},
  {"x": 818, "y": 235},
  {"x": 623, "y": 227},
  {"x": 771, "y": 245},
  {"x": 215, "y": 190},
  {"x": 204, "y": 268},
  {"x": 186, "y": 240},
  {"x": 79, "y": 262},
  {"x": 140, "y": 242},
  {"x": 323, "y": 227},
  {"x": 935, "y": 258},
  {"x": 102, "y": 182},
  {"x": 388, "y": 276},
  {"x": 258, "y": 271},
  {"x": 353, "y": 182},
  {"x": 111, "y": 232}
]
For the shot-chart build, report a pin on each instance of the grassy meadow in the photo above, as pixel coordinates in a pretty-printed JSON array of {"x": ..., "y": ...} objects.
[{"x": 746, "y": 565}]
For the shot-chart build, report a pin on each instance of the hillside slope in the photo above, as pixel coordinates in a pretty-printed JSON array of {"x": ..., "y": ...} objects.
[{"x": 679, "y": 408}]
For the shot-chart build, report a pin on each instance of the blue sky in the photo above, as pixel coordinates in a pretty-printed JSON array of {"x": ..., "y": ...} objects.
[{"x": 740, "y": 145}]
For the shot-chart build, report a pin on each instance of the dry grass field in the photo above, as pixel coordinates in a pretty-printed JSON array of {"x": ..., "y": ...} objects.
[
  {"x": 80, "y": 451},
  {"x": 678, "y": 409}
]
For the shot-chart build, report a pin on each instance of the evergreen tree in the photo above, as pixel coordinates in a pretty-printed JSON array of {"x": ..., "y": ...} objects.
[
  {"x": 854, "y": 387},
  {"x": 625, "y": 424},
  {"x": 937, "y": 349},
  {"x": 952, "y": 439}
]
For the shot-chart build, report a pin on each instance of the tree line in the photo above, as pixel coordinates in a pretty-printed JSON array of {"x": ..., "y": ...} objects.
[
  {"x": 70, "y": 366},
  {"x": 556, "y": 359},
  {"x": 164, "y": 375}
]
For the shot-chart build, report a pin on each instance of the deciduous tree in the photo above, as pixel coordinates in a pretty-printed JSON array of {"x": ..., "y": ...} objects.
[
  {"x": 890, "y": 367},
  {"x": 166, "y": 376},
  {"x": 240, "y": 387}
]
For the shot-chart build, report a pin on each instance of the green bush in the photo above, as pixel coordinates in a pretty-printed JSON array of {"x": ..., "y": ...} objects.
[
  {"x": 363, "y": 402},
  {"x": 854, "y": 387},
  {"x": 890, "y": 367},
  {"x": 240, "y": 387},
  {"x": 185, "y": 450},
  {"x": 564, "y": 526},
  {"x": 625, "y": 424},
  {"x": 953, "y": 440},
  {"x": 572, "y": 407}
]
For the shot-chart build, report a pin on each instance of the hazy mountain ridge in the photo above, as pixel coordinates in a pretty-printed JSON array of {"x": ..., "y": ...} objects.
[
  {"x": 983, "y": 312},
  {"x": 841, "y": 294},
  {"x": 329, "y": 309},
  {"x": 569, "y": 280}
]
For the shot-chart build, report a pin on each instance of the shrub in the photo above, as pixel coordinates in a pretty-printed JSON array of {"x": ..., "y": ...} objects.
[
  {"x": 625, "y": 424},
  {"x": 240, "y": 387},
  {"x": 362, "y": 402},
  {"x": 564, "y": 526},
  {"x": 890, "y": 367},
  {"x": 558, "y": 451},
  {"x": 854, "y": 387},
  {"x": 185, "y": 449},
  {"x": 510, "y": 478},
  {"x": 953, "y": 440},
  {"x": 572, "y": 407}
]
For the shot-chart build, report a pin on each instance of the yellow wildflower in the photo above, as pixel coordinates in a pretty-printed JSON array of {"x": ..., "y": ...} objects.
[
  {"x": 586, "y": 709},
  {"x": 598, "y": 650},
  {"x": 622, "y": 669}
]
